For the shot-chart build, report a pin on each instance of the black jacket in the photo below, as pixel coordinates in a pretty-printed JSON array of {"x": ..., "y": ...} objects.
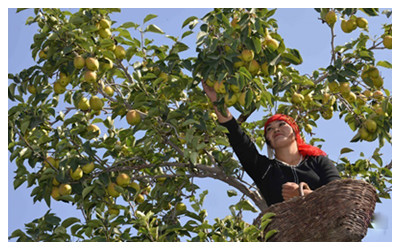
[{"x": 270, "y": 175}]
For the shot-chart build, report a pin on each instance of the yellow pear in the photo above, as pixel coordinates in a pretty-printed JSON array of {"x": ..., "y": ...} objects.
[
  {"x": 364, "y": 135},
  {"x": 84, "y": 104},
  {"x": 271, "y": 43},
  {"x": 378, "y": 95},
  {"x": 362, "y": 22},
  {"x": 247, "y": 55},
  {"x": 242, "y": 99},
  {"x": 120, "y": 52},
  {"x": 90, "y": 76},
  {"x": 220, "y": 87},
  {"x": 79, "y": 62},
  {"x": 96, "y": 103},
  {"x": 31, "y": 89},
  {"x": 133, "y": 117},
  {"x": 105, "y": 24},
  {"x": 58, "y": 88},
  {"x": 88, "y": 168},
  {"x": 93, "y": 128},
  {"x": 55, "y": 193},
  {"x": 351, "y": 24},
  {"x": 105, "y": 33},
  {"x": 351, "y": 97},
  {"x": 333, "y": 86},
  {"x": 111, "y": 190},
  {"x": 297, "y": 98},
  {"x": 109, "y": 90},
  {"x": 180, "y": 207},
  {"x": 64, "y": 79},
  {"x": 113, "y": 210},
  {"x": 308, "y": 128},
  {"x": 254, "y": 67},
  {"x": 264, "y": 69},
  {"x": 331, "y": 18},
  {"x": 139, "y": 198},
  {"x": 344, "y": 26},
  {"x": 92, "y": 63},
  {"x": 77, "y": 174},
  {"x": 370, "y": 125},
  {"x": 65, "y": 189},
  {"x": 344, "y": 88},
  {"x": 123, "y": 180},
  {"x": 387, "y": 41},
  {"x": 229, "y": 101},
  {"x": 52, "y": 161}
]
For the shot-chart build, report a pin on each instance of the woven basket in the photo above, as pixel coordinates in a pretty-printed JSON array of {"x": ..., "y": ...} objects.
[{"x": 338, "y": 211}]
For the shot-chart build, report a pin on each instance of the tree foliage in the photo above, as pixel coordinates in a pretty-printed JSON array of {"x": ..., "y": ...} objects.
[{"x": 71, "y": 141}]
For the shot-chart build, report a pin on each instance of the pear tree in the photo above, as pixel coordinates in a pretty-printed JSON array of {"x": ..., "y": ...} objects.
[{"x": 118, "y": 126}]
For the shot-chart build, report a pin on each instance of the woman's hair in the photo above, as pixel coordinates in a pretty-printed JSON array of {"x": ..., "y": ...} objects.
[{"x": 304, "y": 149}]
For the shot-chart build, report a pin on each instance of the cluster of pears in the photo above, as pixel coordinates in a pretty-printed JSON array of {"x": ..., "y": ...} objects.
[
  {"x": 62, "y": 189},
  {"x": 368, "y": 130},
  {"x": 123, "y": 180},
  {"x": 370, "y": 75},
  {"x": 246, "y": 59},
  {"x": 60, "y": 84},
  {"x": 352, "y": 23},
  {"x": 232, "y": 96}
]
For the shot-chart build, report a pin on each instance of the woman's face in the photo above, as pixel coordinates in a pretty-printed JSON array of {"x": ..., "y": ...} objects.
[{"x": 280, "y": 134}]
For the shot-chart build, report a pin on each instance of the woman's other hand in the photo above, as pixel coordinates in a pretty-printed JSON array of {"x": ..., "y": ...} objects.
[{"x": 291, "y": 189}]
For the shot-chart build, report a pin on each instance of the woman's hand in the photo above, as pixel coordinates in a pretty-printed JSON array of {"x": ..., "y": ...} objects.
[
  {"x": 291, "y": 189},
  {"x": 210, "y": 92},
  {"x": 212, "y": 95}
]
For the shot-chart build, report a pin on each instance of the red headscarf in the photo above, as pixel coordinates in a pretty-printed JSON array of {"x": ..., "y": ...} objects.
[{"x": 304, "y": 149}]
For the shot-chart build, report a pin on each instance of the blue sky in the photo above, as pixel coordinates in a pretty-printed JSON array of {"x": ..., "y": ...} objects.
[{"x": 300, "y": 28}]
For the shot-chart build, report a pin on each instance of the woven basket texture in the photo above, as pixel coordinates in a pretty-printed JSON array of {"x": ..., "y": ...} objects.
[{"x": 338, "y": 211}]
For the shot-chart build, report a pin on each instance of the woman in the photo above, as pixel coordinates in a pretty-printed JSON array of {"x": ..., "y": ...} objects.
[{"x": 278, "y": 179}]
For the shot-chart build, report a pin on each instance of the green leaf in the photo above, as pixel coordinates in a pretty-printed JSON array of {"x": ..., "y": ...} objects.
[
  {"x": 270, "y": 234},
  {"x": 378, "y": 159},
  {"x": 188, "y": 20},
  {"x": 21, "y": 9},
  {"x": 87, "y": 190},
  {"x": 346, "y": 150},
  {"x": 149, "y": 17},
  {"x": 231, "y": 193},
  {"x": 370, "y": 11},
  {"x": 19, "y": 181},
  {"x": 190, "y": 121},
  {"x": 193, "y": 157},
  {"x": 257, "y": 44},
  {"x": 25, "y": 125},
  {"x": 293, "y": 56},
  {"x": 68, "y": 222},
  {"x": 178, "y": 47},
  {"x": 187, "y": 33},
  {"x": 246, "y": 205},
  {"x": 129, "y": 25},
  {"x": 154, "y": 28},
  {"x": 385, "y": 64}
]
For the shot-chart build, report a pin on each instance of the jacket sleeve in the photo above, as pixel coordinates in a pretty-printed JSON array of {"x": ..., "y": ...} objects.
[
  {"x": 327, "y": 170},
  {"x": 244, "y": 148}
]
